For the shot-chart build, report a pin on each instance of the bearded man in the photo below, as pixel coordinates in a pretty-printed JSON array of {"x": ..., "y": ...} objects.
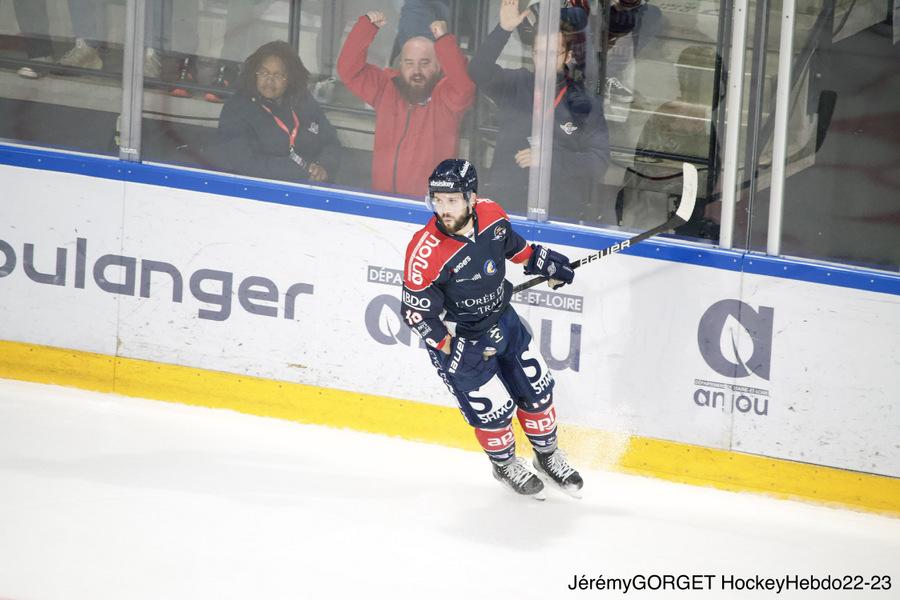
[{"x": 418, "y": 108}]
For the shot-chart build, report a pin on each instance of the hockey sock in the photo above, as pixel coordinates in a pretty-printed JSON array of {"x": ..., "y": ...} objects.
[
  {"x": 498, "y": 444},
  {"x": 540, "y": 427}
]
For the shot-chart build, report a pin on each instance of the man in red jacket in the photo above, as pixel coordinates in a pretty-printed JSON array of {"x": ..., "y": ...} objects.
[{"x": 418, "y": 109}]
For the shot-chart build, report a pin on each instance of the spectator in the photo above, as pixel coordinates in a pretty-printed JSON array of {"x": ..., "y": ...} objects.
[
  {"x": 418, "y": 109},
  {"x": 35, "y": 27},
  {"x": 580, "y": 141},
  {"x": 272, "y": 127},
  {"x": 415, "y": 19}
]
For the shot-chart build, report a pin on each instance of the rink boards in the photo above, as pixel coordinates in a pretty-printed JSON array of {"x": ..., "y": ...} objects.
[{"x": 682, "y": 361}]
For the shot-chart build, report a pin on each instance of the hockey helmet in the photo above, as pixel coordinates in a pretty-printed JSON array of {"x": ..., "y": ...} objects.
[{"x": 452, "y": 175}]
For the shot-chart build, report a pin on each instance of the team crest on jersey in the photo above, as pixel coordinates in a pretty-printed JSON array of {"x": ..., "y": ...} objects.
[
  {"x": 499, "y": 232},
  {"x": 490, "y": 267},
  {"x": 568, "y": 127}
]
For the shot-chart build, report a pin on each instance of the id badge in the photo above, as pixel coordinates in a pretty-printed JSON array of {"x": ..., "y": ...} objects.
[{"x": 297, "y": 158}]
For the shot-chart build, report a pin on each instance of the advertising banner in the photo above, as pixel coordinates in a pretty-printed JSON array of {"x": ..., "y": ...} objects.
[{"x": 654, "y": 348}]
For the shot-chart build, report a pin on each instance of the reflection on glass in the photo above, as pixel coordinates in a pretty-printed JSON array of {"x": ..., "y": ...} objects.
[
  {"x": 658, "y": 91},
  {"x": 580, "y": 136},
  {"x": 842, "y": 186},
  {"x": 60, "y": 82},
  {"x": 679, "y": 127}
]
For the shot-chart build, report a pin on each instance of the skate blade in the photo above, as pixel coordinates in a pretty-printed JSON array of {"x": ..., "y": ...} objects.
[
  {"x": 539, "y": 495},
  {"x": 548, "y": 481}
]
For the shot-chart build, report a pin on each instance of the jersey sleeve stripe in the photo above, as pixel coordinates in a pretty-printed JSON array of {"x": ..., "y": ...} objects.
[
  {"x": 523, "y": 255},
  {"x": 425, "y": 262}
]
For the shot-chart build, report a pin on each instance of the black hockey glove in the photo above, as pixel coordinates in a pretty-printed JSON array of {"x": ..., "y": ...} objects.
[{"x": 550, "y": 264}]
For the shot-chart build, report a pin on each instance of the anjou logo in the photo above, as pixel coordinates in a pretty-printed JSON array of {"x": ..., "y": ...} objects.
[{"x": 723, "y": 347}]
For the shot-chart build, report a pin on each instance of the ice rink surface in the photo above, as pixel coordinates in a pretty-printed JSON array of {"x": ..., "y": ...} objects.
[{"x": 106, "y": 497}]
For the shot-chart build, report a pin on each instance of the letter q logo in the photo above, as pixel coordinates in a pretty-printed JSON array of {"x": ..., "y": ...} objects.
[{"x": 735, "y": 340}]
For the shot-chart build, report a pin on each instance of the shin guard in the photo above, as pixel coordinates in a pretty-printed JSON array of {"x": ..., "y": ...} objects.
[
  {"x": 498, "y": 444},
  {"x": 540, "y": 427}
]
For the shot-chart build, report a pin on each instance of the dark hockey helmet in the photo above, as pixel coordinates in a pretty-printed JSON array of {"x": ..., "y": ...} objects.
[{"x": 452, "y": 175}]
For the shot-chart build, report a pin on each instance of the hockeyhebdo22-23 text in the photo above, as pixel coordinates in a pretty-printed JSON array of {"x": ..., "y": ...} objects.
[{"x": 706, "y": 582}]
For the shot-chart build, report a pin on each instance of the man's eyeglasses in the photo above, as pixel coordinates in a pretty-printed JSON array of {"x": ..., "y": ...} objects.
[{"x": 272, "y": 76}]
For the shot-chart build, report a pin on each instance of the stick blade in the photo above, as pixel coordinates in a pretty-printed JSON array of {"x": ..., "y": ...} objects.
[{"x": 688, "y": 193}]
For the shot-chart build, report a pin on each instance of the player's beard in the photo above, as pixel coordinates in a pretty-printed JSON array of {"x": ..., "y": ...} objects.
[
  {"x": 457, "y": 223},
  {"x": 417, "y": 94}
]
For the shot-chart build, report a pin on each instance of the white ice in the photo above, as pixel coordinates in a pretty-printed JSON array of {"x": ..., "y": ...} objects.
[{"x": 106, "y": 497}]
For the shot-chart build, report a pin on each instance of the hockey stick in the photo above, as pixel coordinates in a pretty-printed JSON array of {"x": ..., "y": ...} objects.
[{"x": 681, "y": 216}]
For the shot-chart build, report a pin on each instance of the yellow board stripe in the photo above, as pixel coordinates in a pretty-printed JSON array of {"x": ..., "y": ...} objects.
[{"x": 419, "y": 421}]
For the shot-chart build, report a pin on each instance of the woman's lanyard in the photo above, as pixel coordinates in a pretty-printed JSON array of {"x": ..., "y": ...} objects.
[
  {"x": 292, "y": 134},
  {"x": 559, "y": 97}
]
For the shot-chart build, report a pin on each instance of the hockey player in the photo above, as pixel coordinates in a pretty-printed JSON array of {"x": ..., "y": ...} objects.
[{"x": 456, "y": 297}]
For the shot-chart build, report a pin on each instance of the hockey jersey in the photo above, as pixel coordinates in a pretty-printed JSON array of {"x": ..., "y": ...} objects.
[{"x": 460, "y": 278}]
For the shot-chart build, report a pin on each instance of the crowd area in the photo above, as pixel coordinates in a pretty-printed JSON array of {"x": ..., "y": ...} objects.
[
  {"x": 435, "y": 94},
  {"x": 372, "y": 94}
]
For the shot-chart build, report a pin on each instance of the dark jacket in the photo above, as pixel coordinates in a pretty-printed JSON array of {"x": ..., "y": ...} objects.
[
  {"x": 251, "y": 142},
  {"x": 580, "y": 140}
]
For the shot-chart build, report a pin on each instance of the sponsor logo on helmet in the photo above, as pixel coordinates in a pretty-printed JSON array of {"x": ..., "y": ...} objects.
[
  {"x": 442, "y": 184},
  {"x": 465, "y": 168}
]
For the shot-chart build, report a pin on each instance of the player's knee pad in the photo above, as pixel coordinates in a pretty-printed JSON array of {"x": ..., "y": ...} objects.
[
  {"x": 498, "y": 444},
  {"x": 488, "y": 406},
  {"x": 540, "y": 427},
  {"x": 529, "y": 379}
]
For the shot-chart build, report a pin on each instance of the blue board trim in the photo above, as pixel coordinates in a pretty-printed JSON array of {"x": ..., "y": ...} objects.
[{"x": 356, "y": 203}]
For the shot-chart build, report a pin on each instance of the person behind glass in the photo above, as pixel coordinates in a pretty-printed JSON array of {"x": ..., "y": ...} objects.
[
  {"x": 35, "y": 26},
  {"x": 418, "y": 109},
  {"x": 580, "y": 140},
  {"x": 272, "y": 127}
]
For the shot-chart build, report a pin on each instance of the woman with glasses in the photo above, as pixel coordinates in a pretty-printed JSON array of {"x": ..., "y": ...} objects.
[{"x": 273, "y": 127}]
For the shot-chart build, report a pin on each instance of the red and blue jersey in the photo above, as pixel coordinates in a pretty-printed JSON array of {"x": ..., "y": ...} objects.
[{"x": 460, "y": 278}]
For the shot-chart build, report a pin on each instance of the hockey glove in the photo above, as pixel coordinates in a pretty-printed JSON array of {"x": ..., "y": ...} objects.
[{"x": 552, "y": 265}]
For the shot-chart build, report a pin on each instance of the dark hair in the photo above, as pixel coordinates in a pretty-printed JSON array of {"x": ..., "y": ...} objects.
[{"x": 298, "y": 75}]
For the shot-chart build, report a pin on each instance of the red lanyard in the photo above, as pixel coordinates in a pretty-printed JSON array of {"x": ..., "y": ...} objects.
[
  {"x": 291, "y": 134},
  {"x": 559, "y": 96}
]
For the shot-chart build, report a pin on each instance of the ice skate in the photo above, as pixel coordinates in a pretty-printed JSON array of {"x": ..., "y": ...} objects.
[
  {"x": 554, "y": 467},
  {"x": 516, "y": 474}
]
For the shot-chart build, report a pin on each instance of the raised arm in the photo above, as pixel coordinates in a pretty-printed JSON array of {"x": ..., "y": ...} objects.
[
  {"x": 458, "y": 89},
  {"x": 363, "y": 79}
]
